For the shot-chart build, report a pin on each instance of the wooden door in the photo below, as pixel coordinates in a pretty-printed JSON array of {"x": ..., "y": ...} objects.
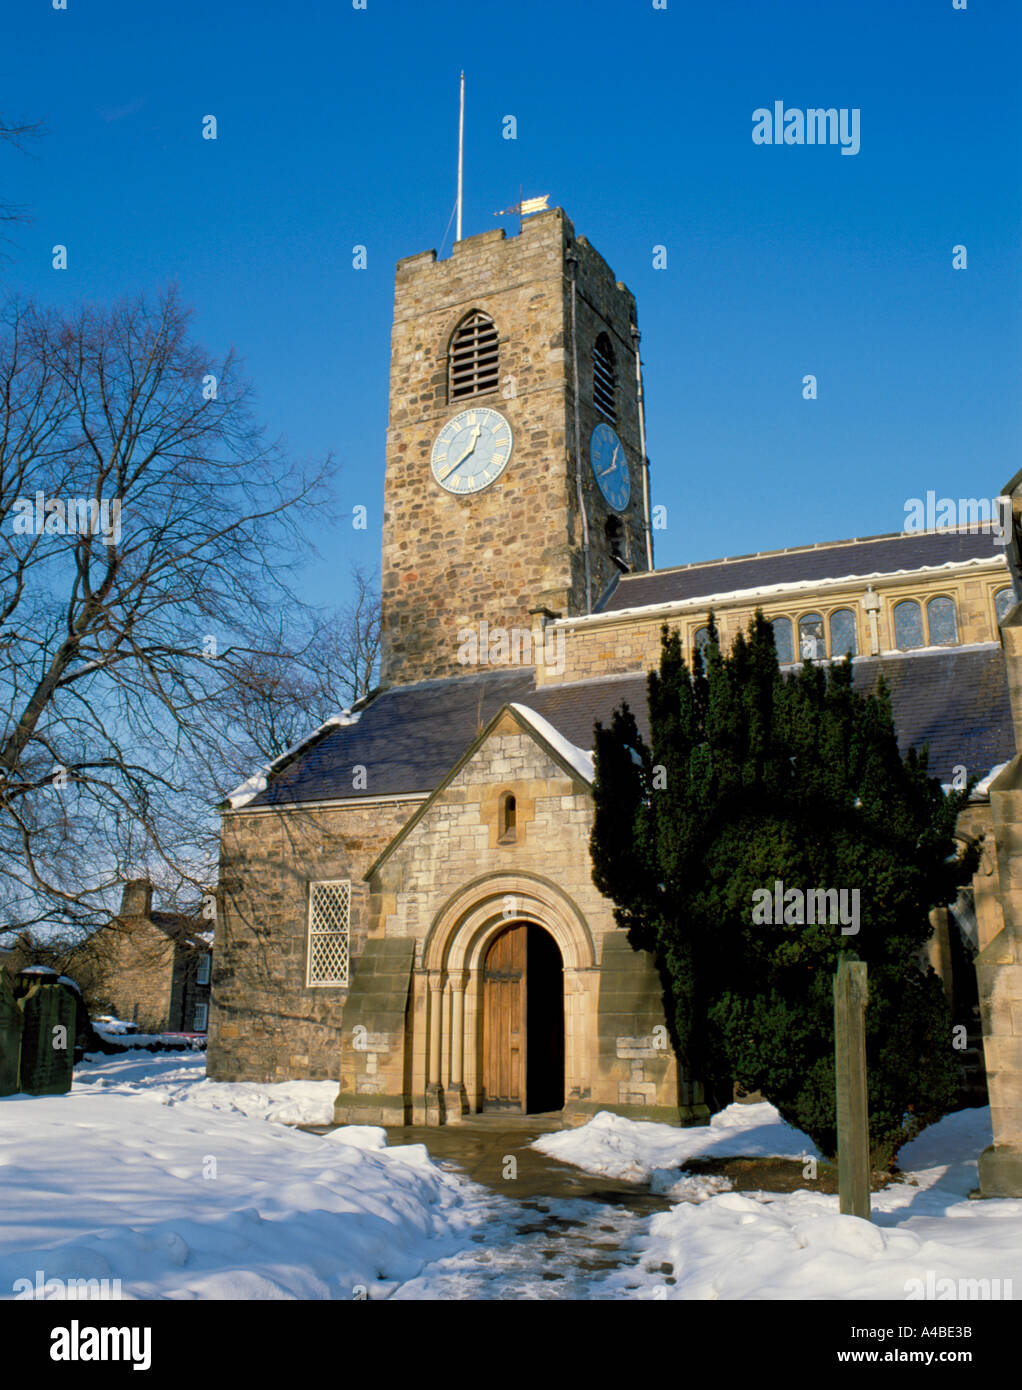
[{"x": 504, "y": 1012}]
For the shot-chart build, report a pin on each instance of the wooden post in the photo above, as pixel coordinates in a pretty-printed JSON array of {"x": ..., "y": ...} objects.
[{"x": 850, "y": 996}]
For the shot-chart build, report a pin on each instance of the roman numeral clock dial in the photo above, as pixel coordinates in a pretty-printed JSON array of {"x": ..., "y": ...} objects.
[
  {"x": 471, "y": 451},
  {"x": 607, "y": 455}
]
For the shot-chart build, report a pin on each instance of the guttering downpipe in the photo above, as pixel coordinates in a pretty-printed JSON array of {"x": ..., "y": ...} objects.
[{"x": 642, "y": 445}]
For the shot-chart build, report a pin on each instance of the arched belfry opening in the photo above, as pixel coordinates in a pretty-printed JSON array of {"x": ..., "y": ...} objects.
[
  {"x": 605, "y": 379},
  {"x": 473, "y": 358},
  {"x": 523, "y": 1021},
  {"x": 614, "y": 532}
]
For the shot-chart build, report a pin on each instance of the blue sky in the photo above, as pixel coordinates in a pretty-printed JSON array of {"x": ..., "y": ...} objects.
[{"x": 338, "y": 126}]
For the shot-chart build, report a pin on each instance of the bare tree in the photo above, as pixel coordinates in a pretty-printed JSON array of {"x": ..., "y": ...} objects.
[
  {"x": 147, "y": 531},
  {"x": 17, "y": 133},
  {"x": 300, "y": 676}
]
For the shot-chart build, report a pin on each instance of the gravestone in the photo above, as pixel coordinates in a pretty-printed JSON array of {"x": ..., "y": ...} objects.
[
  {"x": 10, "y": 1040},
  {"x": 850, "y": 997},
  {"x": 47, "y": 1040}
]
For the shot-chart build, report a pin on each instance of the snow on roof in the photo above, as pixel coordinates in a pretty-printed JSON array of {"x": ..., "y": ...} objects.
[
  {"x": 793, "y": 587},
  {"x": 575, "y": 757},
  {"x": 982, "y": 788},
  {"x": 257, "y": 783}
]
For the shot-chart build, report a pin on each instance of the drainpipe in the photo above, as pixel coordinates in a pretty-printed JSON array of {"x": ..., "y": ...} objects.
[
  {"x": 642, "y": 445},
  {"x": 571, "y": 256}
]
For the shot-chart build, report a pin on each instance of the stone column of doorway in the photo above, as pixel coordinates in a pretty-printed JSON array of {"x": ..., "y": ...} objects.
[
  {"x": 434, "y": 1090},
  {"x": 455, "y": 1099}
]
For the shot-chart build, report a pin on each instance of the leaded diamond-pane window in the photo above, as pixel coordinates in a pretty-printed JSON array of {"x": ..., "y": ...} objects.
[
  {"x": 940, "y": 614},
  {"x": 843, "y": 635},
  {"x": 474, "y": 361},
  {"x": 908, "y": 625},
  {"x": 1003, "y": 600},
  {"x": 783, "y": 640},
  {"x": 810, "y": 637},
  {"x": 329, "y": 922}
]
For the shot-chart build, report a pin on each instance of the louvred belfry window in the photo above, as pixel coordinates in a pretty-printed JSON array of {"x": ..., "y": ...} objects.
[
  {"x": 473, "y": 361},
  {"x": 604, "y": 379},
  {"x": 329, "y": 922}
]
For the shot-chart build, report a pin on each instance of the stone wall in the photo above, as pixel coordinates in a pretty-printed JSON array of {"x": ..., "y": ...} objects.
[
  {"x": 999, "y": 963},
  {"x": 451, "y": 561},
  {"x": 266, "y": 1024}
]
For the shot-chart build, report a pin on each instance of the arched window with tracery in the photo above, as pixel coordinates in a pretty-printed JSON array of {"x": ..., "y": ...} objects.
[
  {"x": 908, "y": 625},
  {"x": 783, "y": 640},
  {"x": 1003, "y": 600},
  {"x": 473, "y": 359},
  {"x": 843, "y": 634},
  {"x": 942, "y": 621},
  {"x": 811, "y": 644}
]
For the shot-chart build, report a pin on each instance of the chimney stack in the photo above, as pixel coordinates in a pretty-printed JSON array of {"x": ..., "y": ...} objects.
[{"x": 137, "y": 898}]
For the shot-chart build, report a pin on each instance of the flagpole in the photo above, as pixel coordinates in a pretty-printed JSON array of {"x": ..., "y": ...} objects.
[{"x": 461, "y": 150}]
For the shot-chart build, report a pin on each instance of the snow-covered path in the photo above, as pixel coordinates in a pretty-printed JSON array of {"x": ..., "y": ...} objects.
[{"x": 558, "y": 1249}]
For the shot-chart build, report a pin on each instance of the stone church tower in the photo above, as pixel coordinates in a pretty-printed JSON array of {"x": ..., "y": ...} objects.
[{"x": 515, "y": 475}]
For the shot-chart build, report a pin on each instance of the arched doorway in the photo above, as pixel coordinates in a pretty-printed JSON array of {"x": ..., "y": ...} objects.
[{"x": 523, "y": 1021}]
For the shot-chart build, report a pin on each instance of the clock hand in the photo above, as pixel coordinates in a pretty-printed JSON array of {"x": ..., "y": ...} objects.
[{"x": 459, "y": 461}]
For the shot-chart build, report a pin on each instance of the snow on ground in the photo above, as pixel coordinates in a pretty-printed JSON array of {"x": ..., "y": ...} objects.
[
  {"x": 180, "y": 1078},
  {"x": 185, "y": 1188},
  {"x": 638, "y": 1149},
  {"x": 147, "y": 1173},
  {"x": 797, "y": 1246}
]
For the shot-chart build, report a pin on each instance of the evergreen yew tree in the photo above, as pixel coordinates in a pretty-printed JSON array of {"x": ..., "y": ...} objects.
[{"x": 753, "y": 777}]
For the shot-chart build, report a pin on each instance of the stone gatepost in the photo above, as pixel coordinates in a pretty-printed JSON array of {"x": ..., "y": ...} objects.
[
  {"x": 10, "y": 1039},
  {"x": 999, "y": 963}
]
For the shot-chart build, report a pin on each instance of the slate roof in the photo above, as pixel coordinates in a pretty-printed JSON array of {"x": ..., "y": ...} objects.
[
  {"x": 956, "y": 700},
  {"x": 875, "y": 555},
  {"x": 408, "y": 738},
  {"x": 180, "y": 928}
]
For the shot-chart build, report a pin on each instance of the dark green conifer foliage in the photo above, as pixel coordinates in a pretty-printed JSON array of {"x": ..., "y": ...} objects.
[{"x": 752, "y": 777}]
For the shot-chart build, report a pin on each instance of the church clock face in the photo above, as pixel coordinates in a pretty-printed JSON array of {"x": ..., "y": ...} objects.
[
  {"x": 607, "y": 455},
  {"x": 471, "y": 451}
]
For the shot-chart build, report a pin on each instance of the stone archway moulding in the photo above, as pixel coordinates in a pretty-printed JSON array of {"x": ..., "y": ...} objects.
[{"x": 462, "y": 926}]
